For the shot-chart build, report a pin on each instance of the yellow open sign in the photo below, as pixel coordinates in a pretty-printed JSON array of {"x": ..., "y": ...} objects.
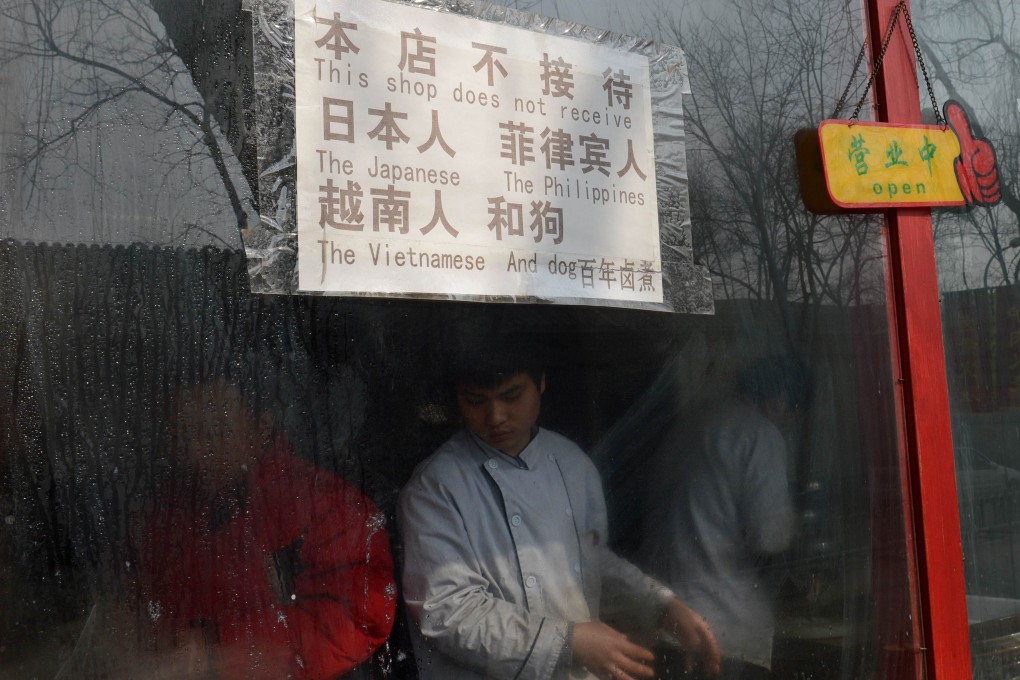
[{"x": 880, "y": 165}]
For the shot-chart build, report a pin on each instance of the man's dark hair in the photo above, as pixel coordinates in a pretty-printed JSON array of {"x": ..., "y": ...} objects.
[
  {"x": 488, "y": 360},
  {"x": 772, "y": 376}
]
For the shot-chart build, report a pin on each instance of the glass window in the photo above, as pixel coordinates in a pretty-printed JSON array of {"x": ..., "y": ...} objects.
[
  {"x": 971, "y": 60},
  {"x": 199, "y": 481}
]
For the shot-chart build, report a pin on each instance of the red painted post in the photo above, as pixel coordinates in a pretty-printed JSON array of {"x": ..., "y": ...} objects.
[{"x": 923, "y": 395}]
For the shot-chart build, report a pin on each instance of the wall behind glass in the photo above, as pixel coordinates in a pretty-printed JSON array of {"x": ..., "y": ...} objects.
[{"x": 149, "y": 392}]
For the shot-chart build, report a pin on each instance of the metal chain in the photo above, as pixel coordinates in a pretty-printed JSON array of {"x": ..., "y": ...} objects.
[
  {"x": 878, "y": 61},
  {"x": 857, "y": 65},
  {"x": 924, "y": 71},
  {"x": 886, "y": 39}
]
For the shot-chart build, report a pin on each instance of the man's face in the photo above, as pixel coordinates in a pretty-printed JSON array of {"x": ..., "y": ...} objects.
[
  {"x": 218, "y": 436},
  {"x": 781, "y": 413},
  {"x": 502, "y": 416}
]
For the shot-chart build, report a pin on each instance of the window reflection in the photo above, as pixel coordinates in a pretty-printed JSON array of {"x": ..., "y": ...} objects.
[
  {"x": 107, "y": 531},
  {"x": 107, "y": 137},
  {"x": 722, "y": 509},
  {"x": 972, "y": 59}
]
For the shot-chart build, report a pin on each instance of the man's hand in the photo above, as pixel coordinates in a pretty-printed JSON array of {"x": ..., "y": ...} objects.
[
  {"x": 694, "y": 637},
  {"x": 608, "y": 653},
  {"x": 197, "y": 658}
]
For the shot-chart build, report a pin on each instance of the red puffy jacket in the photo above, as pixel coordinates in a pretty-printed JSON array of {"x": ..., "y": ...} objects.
[{"x": 300, "y": 568}]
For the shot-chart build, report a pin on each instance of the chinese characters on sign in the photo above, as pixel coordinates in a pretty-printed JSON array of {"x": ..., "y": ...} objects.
[
  {"x": 883, "y": 165},
  {"x": 444, "y": 155}
]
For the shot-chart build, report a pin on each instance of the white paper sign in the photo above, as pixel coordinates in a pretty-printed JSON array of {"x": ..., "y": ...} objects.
[{"x": 441, "y": 154}]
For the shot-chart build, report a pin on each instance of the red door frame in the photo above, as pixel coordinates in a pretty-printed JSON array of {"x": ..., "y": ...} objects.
[{"x": 922, "y": 393}]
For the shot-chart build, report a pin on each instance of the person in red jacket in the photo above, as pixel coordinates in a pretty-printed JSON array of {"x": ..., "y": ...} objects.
[{"x": 255, "y": 563}]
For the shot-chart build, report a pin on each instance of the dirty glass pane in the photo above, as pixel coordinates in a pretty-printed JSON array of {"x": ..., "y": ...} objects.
[
  {"x": 971, "y": 59},
  {"x": 202, "y": 482},
  {"x": 833, "y": 594}
]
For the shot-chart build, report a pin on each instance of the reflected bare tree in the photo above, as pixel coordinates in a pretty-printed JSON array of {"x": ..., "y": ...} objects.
[
  {"x": 93, "y": 65},
  {"x": 772, "y": 67},
  {"x": 972, "y": 49}
]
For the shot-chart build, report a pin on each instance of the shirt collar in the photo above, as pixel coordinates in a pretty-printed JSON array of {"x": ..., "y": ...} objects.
[{"x": 525, "y": 460}]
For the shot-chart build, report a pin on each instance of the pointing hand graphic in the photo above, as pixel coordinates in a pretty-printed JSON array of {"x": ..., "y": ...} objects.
[{"x": 976, "y": 168}]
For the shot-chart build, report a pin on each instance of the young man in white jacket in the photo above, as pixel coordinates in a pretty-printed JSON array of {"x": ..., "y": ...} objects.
[{"x": 506, "y": 569}]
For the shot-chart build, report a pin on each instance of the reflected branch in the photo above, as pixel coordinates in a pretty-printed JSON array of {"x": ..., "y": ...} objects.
[{"x": 43, "y": 31}]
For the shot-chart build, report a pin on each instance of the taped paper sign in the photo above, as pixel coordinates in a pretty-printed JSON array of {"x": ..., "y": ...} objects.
[{"x": 439, "y": 154}]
